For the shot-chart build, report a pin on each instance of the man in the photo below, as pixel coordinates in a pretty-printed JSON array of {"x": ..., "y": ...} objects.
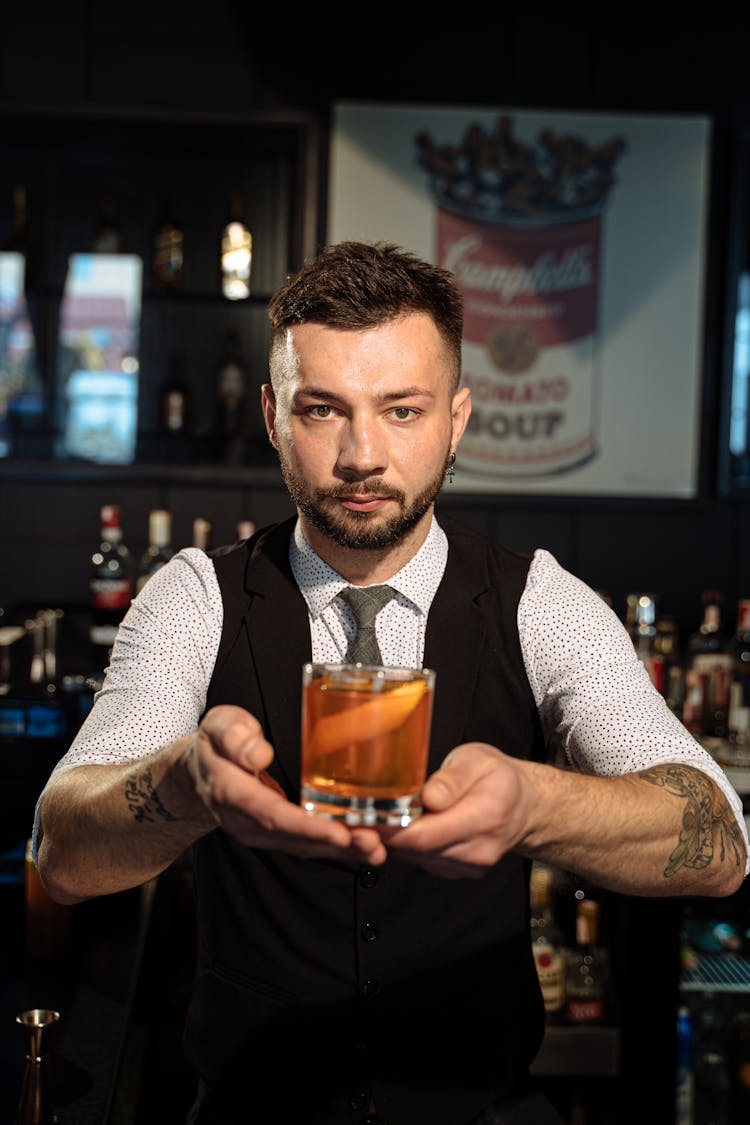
[{"x": 347, "y": 974}]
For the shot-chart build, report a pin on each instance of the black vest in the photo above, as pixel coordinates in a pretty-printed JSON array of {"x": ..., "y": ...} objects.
[{"x": 321, "y": 984}]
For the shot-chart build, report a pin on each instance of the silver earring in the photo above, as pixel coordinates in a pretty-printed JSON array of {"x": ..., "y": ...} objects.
[{"x": 450, "y": 472}]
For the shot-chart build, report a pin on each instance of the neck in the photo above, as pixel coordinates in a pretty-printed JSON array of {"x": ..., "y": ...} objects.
[{"x": 362, "y": 567}]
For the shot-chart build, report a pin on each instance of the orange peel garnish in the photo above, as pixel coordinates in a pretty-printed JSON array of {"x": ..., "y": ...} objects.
[{"x": 378, "y": 716}]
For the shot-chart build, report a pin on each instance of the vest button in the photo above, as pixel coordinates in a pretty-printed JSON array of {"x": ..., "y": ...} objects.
[
  {"x": 371, "y": 988},
  {"x": 369, "y": 931},
  {"x": 368, "y": 878}
]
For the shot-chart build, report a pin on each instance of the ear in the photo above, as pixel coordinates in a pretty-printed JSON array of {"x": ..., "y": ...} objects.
[
  {"x": 460, "y": 411},
  {"x": 268, "y": 405}
]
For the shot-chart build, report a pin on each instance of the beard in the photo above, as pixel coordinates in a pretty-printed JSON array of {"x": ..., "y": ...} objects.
[{"x": 363, "y": 531}]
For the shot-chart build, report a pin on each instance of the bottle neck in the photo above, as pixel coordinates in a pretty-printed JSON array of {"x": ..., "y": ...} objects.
[
  {"x": 711, "y": 619},
  {"x": 587, "y": 924}
]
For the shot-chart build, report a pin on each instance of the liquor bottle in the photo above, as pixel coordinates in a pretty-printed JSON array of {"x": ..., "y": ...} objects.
[
  {"x": 168, "y": 252},
  {"x": 231, "y": 380},
  {"x": 709, "y": 657},
  {"x": 738, "y": 722},
  {"x": 236, "y": 253},
  {"x": 175, "y": 399},
  {"x": 667, "y": 668},
  {"x": 203, "y": 531},
  {"x": 159, "y": 550},
  {"x": 640, "y": 622},
  {"x": 110, "y": 584},
  {"x": 547, "y": 943},
  {"x": 245, "y": 529},
  {"x": 587, "y": 971},
  {"x": 108, "y": 236}
]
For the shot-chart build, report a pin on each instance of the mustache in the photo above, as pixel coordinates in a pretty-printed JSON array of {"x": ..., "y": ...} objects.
[{"x": 373, "y": 487}]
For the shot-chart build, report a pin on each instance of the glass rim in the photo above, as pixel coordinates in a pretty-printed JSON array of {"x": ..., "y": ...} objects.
[{"x": 399, "y": 671}]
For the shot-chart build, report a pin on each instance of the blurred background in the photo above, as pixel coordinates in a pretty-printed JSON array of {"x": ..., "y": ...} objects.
[{"x": 162, "y": 168}]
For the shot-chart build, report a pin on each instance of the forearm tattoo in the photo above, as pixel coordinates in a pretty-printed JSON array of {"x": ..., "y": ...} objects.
[
  {"x": 707, "y": 822},
  {"x": 143, "y": 800}
]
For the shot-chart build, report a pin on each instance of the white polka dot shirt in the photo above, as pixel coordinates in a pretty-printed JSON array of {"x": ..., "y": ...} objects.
[{"x": 594, "y": 696}]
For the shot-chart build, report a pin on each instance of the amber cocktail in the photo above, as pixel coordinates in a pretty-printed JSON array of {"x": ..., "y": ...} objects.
[{"x": 365, "y": 740}]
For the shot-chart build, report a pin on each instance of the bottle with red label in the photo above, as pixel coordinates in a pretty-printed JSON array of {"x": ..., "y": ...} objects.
[
  {"x": 739, "y": 691},
  {"x": 587, "y": 976},
  {"x": 709, "y": 668},
  {"x": 111, "y": 573},
  {"x": 547, "y": 943}
]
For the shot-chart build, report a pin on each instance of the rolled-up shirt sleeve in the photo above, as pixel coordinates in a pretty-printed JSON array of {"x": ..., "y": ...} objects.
[
  {"x": 594, "y": 695},
  {"x": 154, "y": 690}
]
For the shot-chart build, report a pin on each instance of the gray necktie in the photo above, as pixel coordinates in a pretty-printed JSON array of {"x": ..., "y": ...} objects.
[{"x": 365, "y": 603}]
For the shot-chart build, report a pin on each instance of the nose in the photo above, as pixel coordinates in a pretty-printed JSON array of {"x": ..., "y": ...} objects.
[{"x": 362, "y": 450}]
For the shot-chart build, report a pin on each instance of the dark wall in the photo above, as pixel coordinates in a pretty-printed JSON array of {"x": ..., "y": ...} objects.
[{"x": 233, "y": 59}]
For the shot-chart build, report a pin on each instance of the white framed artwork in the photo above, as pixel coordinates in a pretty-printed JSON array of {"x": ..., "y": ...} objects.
[{"x": 578, "y": 240}]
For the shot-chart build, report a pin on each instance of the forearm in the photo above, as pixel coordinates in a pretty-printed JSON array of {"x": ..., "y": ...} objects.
[
  {"x": 668, "y": 830},
  {"x": 105, "y": 828}
]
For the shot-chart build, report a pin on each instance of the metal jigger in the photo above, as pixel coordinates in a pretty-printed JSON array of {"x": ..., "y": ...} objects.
[{"x": 35, "y": 1106}]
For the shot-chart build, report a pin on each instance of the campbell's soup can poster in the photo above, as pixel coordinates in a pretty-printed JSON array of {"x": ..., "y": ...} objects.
[{"x": 578, "y": 244}]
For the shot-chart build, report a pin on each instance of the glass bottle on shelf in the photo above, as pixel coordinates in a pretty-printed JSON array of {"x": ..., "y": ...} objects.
[
  {"x": 231, "y": 389},
  {"x": 709, "y": 664},
  {"x": 175, "y": 399},
  {"x": 159, "y": 550},
  {"x": 587, "y": 974},
  {"x": 739, "y": 691},
  {"x": 668, "y": 669},
  {"x": 168, "y": 261},
  {"x": 547, "y": 943},
  {"x": 110, "y": 584},
  {"x": 236, "y": 253},
  {"x": 203, "y": 530},
  {"x": 640, "y": 622},
  {"x": 245, "y": 529}
]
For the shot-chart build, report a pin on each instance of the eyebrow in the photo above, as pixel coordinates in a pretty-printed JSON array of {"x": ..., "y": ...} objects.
[{"x": 391, "y": 396}]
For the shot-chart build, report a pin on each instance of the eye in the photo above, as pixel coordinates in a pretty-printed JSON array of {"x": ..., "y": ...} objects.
[
  {"x": 320, "y": 410},
  {"x": 403, "y": 413}
]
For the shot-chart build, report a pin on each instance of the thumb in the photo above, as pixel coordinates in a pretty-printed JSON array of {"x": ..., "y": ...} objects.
[
  {"x": 459, "y": 771},
  {"x": 444, "y": 786}
]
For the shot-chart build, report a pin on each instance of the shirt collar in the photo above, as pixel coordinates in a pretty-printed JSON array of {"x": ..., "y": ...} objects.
[{"x": 417, "y": 581}]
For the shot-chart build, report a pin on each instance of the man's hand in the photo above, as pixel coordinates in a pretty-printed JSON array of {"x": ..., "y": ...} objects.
[
  {"x": 473, "y": 814},
  {"x": 668, "y": 830},
  {"x": 228, "y": 761}
]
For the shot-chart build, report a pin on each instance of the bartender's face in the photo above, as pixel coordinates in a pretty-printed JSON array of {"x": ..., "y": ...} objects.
[{"x": 364, "y": 422}]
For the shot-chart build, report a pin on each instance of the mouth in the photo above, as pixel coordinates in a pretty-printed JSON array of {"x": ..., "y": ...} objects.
[{"x": 355, "y": 502}]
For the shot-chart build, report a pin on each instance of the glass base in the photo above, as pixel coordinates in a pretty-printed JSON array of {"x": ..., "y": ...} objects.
[{"x": 368, "y": 811}]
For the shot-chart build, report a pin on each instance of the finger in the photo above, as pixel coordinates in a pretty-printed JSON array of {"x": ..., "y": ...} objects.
[
  {"x": 368, "y": 847},
  {"x": 461, "y": 769},
  {"x": 237, "y": 735},
  {"x": 239, "y": 796}
]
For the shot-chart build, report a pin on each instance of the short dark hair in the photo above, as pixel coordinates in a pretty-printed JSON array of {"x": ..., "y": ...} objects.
[{"x": 365, "y": 284}]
